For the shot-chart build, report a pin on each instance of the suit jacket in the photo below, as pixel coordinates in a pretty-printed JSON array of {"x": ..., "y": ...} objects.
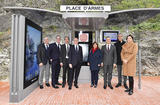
[
  {"x": 54, "y": 52},
  {"x": 109, "y": 57},
  {"x": 94, "y": 59},
  {"x": 63, "y": 53},
  {"x": 42, "y": 54},
  {"x": 118, "y": 46},
  {"x": 75, "y": 57}
]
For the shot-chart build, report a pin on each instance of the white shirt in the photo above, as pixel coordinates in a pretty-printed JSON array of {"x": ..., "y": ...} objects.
[
  {"x": 66, "y": 49},
  {"x": 58, "y": 45},
  {"x": 46, "y": 45},
  {"x": 77, "y": 47},
  {"x": 67, "y": 45},
  {"x": 108, "y": 45}
]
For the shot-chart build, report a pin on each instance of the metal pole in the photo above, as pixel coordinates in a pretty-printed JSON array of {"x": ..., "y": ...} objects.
[{"x": 139, "y": 62}]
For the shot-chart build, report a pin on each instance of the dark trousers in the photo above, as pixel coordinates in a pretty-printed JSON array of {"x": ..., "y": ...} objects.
[
  {"x": 94, "y": 77},
  {"x": 131, "y": 83},
  {"x": 107, "y": 74},
  {"x": 55, "y": 71},
  {"x": 74, "y": 74},
  {"x": 119, "y": 69},
  {"x": 65, "y": 71}
]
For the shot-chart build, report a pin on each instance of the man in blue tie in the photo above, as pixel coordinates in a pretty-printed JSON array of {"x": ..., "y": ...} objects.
[
  {"x": 75, "y": 62},
  {"x": 54, "y": 54}
]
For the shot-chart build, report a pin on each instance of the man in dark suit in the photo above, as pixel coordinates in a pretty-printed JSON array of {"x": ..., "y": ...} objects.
[
  {"x": 75, "y": 62},
  {"x": 44, "y": 63},
  {"x": 120, "y": 42},
  {"x": 109, "y": 60},
  {"x": 54, "y": 53},
  {"x": 64, "y": 59}
]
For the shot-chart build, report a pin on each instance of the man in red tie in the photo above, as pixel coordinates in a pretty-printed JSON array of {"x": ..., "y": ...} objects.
[{"x": 109, "y": 59}]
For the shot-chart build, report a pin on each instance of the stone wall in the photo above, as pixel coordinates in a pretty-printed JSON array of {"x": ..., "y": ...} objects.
[{"x": 53, "y": 26}]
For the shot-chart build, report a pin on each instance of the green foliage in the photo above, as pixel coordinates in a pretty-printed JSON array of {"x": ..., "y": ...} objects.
[
  {"x": 110, "y": 27},
  {"x": 130, "y": 4},
  {"x": 152, "y": 24},
  {"x": 1, "y": 34},
  {"x": 115, "y": 4},
  {"x": 79, "y": 2},
  {"x": 52, "y": 27}
]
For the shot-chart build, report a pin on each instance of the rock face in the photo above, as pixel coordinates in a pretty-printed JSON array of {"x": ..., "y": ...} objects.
[
  {"x": 4, "y": 64},
  {"x": 149, "y": 40},
  {"x": 5, "y": 47},
  {"x": 53, "y": 26},
  {"x": 151, "y": 53}
]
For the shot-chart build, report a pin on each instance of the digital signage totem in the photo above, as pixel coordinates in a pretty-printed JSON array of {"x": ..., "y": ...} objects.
[
  {"x": 33, "y": 37},
  {"x": 85, "y": 41}
]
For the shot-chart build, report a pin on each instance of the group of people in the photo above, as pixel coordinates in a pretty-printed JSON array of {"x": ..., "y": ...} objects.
[{"x": 70, "y": 57}]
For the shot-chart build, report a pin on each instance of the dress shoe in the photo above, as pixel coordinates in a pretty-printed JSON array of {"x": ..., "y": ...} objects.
[
  {"x": 125, "y": 86},
  {"x": 118, "y": 85},
  {"x": 95, "y": 86},
  {"x": 63, "y": 85},
  {"x": 91, "y": 85},
  {"x": 110, "y": 86},
  {"x": 127, "y": 90},
  {"x": 104, "y": 87},
  {"x": 54, "y": 86},
  {"x": 41, "y": 86},
  {"x": 130, "y": 92},
  {"x": 76, "y": 86},
  {"x": 58, "y": 83},
  {"x": 70, "y": 88},
  {"x": 47, "y": 84}
]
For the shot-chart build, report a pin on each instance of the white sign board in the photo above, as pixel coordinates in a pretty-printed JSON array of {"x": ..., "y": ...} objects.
[{"x": 69, "y": 8}]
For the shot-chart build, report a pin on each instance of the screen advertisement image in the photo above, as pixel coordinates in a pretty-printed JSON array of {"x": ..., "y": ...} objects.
[
  {"x": 112, "y": 34},
  {"x": 83, "y": 37},
  {"x": 33, "y": 37}
]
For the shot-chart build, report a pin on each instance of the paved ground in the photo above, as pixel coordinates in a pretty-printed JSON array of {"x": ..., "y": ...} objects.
[{"x": 85, "y": 95}]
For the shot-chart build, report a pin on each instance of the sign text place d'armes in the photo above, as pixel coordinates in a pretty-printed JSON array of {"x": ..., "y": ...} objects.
[{"x": 85, "y": 8}]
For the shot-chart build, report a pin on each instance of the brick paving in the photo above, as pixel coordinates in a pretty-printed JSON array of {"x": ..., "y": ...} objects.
[{"x": 85, "y": 95}]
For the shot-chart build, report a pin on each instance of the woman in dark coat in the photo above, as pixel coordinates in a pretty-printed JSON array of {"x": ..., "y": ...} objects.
[{"x": 94, "y": 61}]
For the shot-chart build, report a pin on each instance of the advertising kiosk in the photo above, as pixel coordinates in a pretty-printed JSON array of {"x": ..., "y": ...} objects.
[{"x": 26, "y": 36}]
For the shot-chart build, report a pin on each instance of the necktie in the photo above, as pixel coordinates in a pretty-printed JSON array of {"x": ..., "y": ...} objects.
[
  {"x": 76, "y": 48},
  {"x": 47, "y": 47},
  {"x": 108, "y": 47},
  {"x": 59, "y": 47},
  {"x": 67, "y": 50}
]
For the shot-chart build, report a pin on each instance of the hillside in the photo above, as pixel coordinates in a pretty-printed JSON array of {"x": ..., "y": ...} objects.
[{"x": 149, "y": 29}]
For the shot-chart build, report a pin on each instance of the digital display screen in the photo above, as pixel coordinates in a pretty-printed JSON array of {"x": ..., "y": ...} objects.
[
  {"x": 85, "y": 50},
  {"x": 85, "y": 41},
  {"x": 33, "y": 38},
  {"x": 112, "y": 34}
]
